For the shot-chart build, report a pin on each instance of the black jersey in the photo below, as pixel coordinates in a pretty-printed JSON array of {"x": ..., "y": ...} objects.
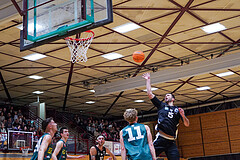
[
  {"x": 100, "y": 154},
  {"x": 168, "y": 117}
]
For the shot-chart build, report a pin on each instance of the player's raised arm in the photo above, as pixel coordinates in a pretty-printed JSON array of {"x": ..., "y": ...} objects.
[
  {"x": 146, "y": 76},
  {"x": 123, "y": 149},
  {"x": 150, "y": 143},
  {"x": 59, "y": 146},
  {"x": 45, "y": 143}
]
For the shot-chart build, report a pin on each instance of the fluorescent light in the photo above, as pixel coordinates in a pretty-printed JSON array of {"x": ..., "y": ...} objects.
[
  {"x": 224, "y": 74},
  {"x": 90, "y": 102},
  {"x": 139, "y": 101},
  {"x": 34, "y": 56},
  {"x": 212, "y": 28},
  {"x": 112, "y": 56},
  {"x": 203, "y": 88},
  {"x": 38, "y": 92},
  {"x": 126, "y": 27},
  {"x": 35, "y": 77},
  {"x": 153, "y": 89},
  {"x": 93, "y": 91}
]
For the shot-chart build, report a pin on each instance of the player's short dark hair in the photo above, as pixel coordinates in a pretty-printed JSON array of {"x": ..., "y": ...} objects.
[
  {"x": 45, "y": 123},
  {"x": 61, "y": 129}
]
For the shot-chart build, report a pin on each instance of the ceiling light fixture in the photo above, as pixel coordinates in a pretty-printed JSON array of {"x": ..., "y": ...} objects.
[
  {"x": 90, "y": 102},
  {"x": 93, "y": 91},
  {"x": 38, "y": 92},
  {"x": 225, "y": 74},
  {"x": 203, "y": 88},
  {"x": 34, "y": 56},
  {"x": 35, "y": 77},
  {"x": 126, "y": 27},
  {"x": 212, "y": 28},
  {"x": 153, "y": 89},
  {"x": 112, "y": 56},
  {"x": 139, "y": 101}
]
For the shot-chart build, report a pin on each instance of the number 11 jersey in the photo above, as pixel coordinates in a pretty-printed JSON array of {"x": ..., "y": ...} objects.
[{"x": 136, "y": 142}]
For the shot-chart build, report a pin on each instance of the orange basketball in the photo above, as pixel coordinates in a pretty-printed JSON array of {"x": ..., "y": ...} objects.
[{"x": 138, "y": 56}]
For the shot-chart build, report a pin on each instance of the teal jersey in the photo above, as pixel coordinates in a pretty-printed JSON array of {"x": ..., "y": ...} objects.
[
  {"x": 48, "y": 152},
  {"x": 136, "y": 142},
  {"x": 62, "y": 155}
]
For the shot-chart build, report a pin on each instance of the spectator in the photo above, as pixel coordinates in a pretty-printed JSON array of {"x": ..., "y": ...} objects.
[
  {"x": 96, "y": 132},
  {"x": 9, "y": 123},
  {"x": 3, "y": 134},
  {"x": 2, "y": 117},
  {"x": 5, "y": 112},
  {"x": 15, "y": 115},
  {"x": 20, "y": 112}
]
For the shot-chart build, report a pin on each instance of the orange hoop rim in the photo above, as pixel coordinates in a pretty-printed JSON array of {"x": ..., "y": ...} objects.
[{"x": 81, "y": 39}]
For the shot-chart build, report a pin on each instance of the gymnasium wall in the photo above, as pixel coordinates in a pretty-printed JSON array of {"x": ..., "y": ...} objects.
[{"x": 212, "y": 133}]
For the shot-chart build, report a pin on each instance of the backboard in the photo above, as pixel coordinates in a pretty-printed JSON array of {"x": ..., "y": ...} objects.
[{"x": 46, "y": 21}]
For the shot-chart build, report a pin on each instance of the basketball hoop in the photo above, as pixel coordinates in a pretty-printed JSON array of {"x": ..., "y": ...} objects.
[
  {"x": 79, "y": 47},
  {"x": 24, "y": 150}
]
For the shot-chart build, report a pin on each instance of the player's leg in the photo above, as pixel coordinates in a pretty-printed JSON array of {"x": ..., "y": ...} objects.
[
  {"x": 159, "y": 144},
  {"x": 172, "y": 151}
]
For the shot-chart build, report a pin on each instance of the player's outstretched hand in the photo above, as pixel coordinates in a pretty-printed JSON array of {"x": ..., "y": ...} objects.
[
  {"x": 181, "y": 111},
  {"x": 146, "y": 75}
]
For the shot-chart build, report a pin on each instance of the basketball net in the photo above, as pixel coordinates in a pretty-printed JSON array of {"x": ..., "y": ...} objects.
[{"x": 79, "y": 47}]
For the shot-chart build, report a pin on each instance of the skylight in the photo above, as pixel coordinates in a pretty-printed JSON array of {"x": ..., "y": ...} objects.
[
  {"x": 126, "y": 27},
  {"x": 153, "y": 89},
  {"x": 35, "y": 77},
  {"x": 90, "y": 102},
  {"x": 212, "y": 28},
  {"x": 225, "y": 74},
  {"x": 203, "y": 88},
  {"x": 34, "y": 56},
  {"x": 139, "y": 101},
  {"x": 112, "y": 56},
  {"x": 38, "y": 92}
]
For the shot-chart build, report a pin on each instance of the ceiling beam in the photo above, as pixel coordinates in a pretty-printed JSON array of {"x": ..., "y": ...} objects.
[
  {"x": 68, "y": 85},
  {"x": 5, "y": 87},
  {"x": 171, "y": 74}
]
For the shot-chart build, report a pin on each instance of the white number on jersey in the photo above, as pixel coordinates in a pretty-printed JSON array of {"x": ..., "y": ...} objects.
[{"x": 139, "y": 135}]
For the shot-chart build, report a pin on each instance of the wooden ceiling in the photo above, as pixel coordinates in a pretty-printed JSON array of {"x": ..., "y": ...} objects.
[{"x": 170, "y": 36}]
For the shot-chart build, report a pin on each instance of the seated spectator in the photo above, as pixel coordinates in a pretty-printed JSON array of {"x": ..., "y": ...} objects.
[
  {"x": 9, "y": 123},
  {"x": 20, "y": 112},
  {"x": 2, "y": 117},
  {"x": 3, "y": 134},
  {"x": 5, "y": 112},
  {"x": 96, "y": 132},
  {"x": 9, "y": 116}
]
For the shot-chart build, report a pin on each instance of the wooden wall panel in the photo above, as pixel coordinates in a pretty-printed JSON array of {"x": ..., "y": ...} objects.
[
  {"x": 192, "y": 151},
  {"x": 234, "y": 132},
  {"x": 233, "y": 117},
  {"x": 194, "y": 125},
  {"x": 216, "y": 148},
  {"x": 215, "y": 135},
  {"x": 235, "y": 146},
  {"x": 214, "y": 120},
  {"x": 190, "y": 138}
]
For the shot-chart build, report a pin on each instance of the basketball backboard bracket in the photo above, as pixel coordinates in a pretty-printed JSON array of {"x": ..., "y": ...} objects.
[{"x": 42, "y": 23}]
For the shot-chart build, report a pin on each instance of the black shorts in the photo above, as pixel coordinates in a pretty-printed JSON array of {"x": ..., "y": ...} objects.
[{"x": 168, "y": 146}]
